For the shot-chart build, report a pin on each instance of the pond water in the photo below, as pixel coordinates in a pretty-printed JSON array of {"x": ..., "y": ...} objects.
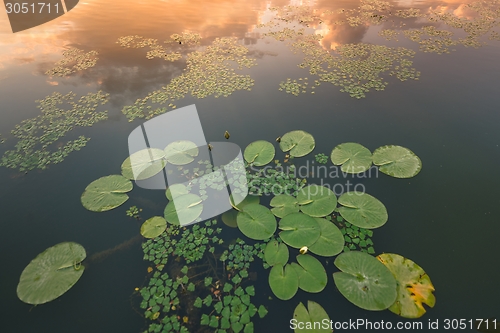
[{"x": 445, "y": 219}]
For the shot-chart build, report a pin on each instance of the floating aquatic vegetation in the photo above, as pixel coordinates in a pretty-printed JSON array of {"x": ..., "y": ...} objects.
[
  {"x": 353, "y": 157},
  {"x": 184, "y": 209},
  {"x": 311, "y": 273},
  {"x": 209, "y": 72},
  {"x": 2, "y": 140},
  {"x": 368, "y": 12},
  {"x": 365, "y": 281},
  {"x": 133, "y": 211},
  {"x": 259, "y": 153},
  {"x": 181, "y": 152},
  {"x": 414, "y": 286},
  {"x": 106, "y": 193},
  {"x": 321, "y": 158},
  {"x": 389, "y": 34},
  {"x": 298, "y": 230},
  {"x": 294, "y": 87},
  {"x": 52, "y": 273},
  {"x": 73, "y": 60},
  {"x": 274, "y": 181},
  {"x": 241, "y": 255},
  {"x": 153, "y": 227},
  {"x": 317, "y": 201},
  {"x": 276, "y": 253},
  {"x": 256, "y": 222},
  {"x": 355, "y": 238},
  {"x": 362, "y": 210},
  {"x": 309, "y": 317},
  {"x": 284, "y": 281},
  {"x": 330, "y": 241},
  {"x": 36, "y": 136},
  {"x": 297, "y": 143},
  {"x": 397, "y": 161},
  {"x": 143, "y": 164},
  {"x": 283, "y": 205}
]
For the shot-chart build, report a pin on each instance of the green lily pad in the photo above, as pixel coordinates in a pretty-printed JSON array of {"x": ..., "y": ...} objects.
[
  {"x": 330, "y": 241},
  {"x": 307, "y": 319},
  {"x": 229, "y": 218},
  {"x": 312, "y": 274},
  {"x": 176, "y": 190},
  {"x": 144, "y": 164},
  {"x": 317, "y": 201},
  {"x": 153, "y": 227},
  {"x": 52, "y": 273},
  {"x": 284, "y": 204},
  {"x": 297, "y": 143},
  {"x": 365, "y": 281},
  {"x": 259, "y": 152},
  {"x": 299, "y": 230},
  {"x": 353, "y": 157},
  {"x": 106, "y": 193},
  {"x": 362, "y": 210},
  {"x": 186, "y": 209},
  {"x": 249, "y": 199},
  {"x": 413, "y": 285},
  {"x": 397, "y": 161},
  {"x": 276, "y": 253},
  {"x": 256, "y": 222},
  {"x": 181, "y": 152},
  {"x": 284, "y": 281}
]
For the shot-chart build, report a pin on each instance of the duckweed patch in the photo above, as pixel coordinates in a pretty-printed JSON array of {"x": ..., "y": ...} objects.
[
  {"x": 73, "y": 60},
  {"x": 39, "y": 139}
]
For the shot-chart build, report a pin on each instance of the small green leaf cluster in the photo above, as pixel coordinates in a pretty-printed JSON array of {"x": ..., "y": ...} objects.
[
  {"x": 274, "y": 181},
  {"x": 233, "y": 307},
  {"x": 356, "y": 238},
  {"x": 321, "y": 158},
  {"x": 191, "y": 245},
  {"x": 161, "y": 296},
  {"x": 240, "y": 255},
  {"x": 133, "y": 211}
]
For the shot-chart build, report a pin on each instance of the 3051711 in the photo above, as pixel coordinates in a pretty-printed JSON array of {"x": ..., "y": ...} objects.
[{"x": 32, "y": 8}]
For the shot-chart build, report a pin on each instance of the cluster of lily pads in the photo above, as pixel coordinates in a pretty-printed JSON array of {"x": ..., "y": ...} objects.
[
  {"x": 73, "y": 60},
  {"x": 39, "y": 139},
  {"x": 209, "y": 72}
]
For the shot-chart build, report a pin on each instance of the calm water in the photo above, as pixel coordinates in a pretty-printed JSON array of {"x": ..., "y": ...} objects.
[{"x": 445, "y": 219}]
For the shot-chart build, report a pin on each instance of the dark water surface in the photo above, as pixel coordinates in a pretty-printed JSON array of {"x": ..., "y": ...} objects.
[{"x": 445, "y": 219}]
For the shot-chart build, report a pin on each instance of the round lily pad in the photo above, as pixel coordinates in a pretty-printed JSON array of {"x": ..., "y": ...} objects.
[
  {"x": 317, "y": 201},
  {"x": 256, "y": 222},
  {"x": 353, "y": 157},
  {"x": 297, "y": 143},
  {"x": 276, "y": 253},
  {"x": 229, "y": 218},
  {"x": 106, "y": 193},
  {"x": 259, "y": 152},
  {"x": 184, "y": 209},
  {"x": 249, "y": 199},
  {"x": 362, "y": 210},
  {"x": 284, "y": 204},
  {"x": 176, "y": 190},
  {"x": 316, "y": 314},
  {"x": 330, "y": 241},
  {"x": 153, "y": 227},
  {"x": 181, "y": 152},
  {"x": 312, "y": 274},
  {"x": 299, "y": 230},
  {"x": 284, "y": 281},
  {"x": 144, "y": 164},
  {"x": 397, "y": 161},
  {"x": 414, "y": 286},
  {"x": 365, "y": 281},
  {"x": 52, "y": 273}
]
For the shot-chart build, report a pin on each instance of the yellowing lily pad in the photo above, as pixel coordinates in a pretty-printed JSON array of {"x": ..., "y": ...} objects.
[{"x": 414, "y": 286}]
